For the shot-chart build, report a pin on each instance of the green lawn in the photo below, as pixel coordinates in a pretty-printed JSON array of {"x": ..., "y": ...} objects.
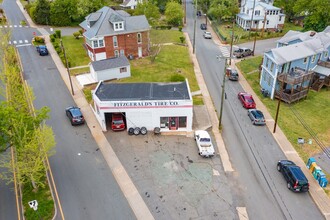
[
  {"x": 313, "y": 110},
  {"x": 242, "y": 36},
  {"x": 75, "y": 51},
  {"x": 172, "y": 60},
  {"x": 165, "y": 36}
]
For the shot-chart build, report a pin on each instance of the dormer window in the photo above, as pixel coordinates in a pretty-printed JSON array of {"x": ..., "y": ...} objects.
[{"x": 118, "y": 26}]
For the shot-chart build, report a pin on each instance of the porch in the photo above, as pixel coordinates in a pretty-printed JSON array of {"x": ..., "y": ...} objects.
[
  {"x": 293, "y": 86},
  {"x": 322, "y": 75}
]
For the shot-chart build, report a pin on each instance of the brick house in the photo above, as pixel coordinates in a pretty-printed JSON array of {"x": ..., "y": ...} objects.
[{"x": 109, "y": 33}]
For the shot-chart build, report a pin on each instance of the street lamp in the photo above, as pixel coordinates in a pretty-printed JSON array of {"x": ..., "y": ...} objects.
[
  {"x": 194, "y": 40},
  {"x": 67, "y": 66},
  {"x": 223, "y": 87}
]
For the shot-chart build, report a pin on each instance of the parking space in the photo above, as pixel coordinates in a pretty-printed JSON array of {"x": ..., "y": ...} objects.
[{"x": 174, "y": 181}]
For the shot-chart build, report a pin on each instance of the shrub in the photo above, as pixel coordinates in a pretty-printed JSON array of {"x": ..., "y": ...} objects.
[
  {"x": 182, "y": 39},
  {"x": 76, "y": 34},
  {"x": 39, "y": 39},
  {"x": 88, "y": 94},
  {"x": 58, "y": 33},
  {"x": 23, "y": 22},
  {"x": 180, "y": 28},
  {"x": 81, "y": 31},
  {"x": 1, "y": 10},
  {"x": 52, "y": 38},
  {"x": 55, "y": 36},
  {"x": 177, "y": 78}
]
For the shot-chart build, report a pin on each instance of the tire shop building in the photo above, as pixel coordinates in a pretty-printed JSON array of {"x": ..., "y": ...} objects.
[{"x": 167, "y": 106}]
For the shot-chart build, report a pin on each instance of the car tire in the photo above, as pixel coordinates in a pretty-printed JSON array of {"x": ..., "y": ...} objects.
[
  {"x": 137, "y": 131},
  {"x": 289, "y": 186},
  {"x": 143, "y": 130},
  {"x": 131, "y": 131},
  {"x": 278, "y": 168}
]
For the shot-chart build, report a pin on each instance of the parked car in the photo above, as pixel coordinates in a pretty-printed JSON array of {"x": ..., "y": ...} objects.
[
  {"x": 204, "y": 143},
  {"x": 117, "y": 122},
  {"x": 203, "y": 26},
  {"x": 232, "y": 74},
  {"x": 75, "y": 116},
  {"x": 295, "y": 178},
  {"x": 42, "y": 50},
  {"x": 242, "y": 52},
  {"x": 207, "y": 35},
  {"x": 246, "y": 100},
  {"x": 256, "y": 116}
]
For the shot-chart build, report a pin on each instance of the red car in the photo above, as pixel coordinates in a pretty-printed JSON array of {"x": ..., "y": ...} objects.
[
  {"x": 247, "y": 100},
  {"x": 118, "y": 123}
]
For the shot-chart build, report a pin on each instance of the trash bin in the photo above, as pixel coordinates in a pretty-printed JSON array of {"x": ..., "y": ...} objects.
[
  {"x": 319, "y": 176},
  {"x": 323, "y": 182},
  {"x": 312, "y": 166},
  {"x": 310, "y": 161},
  {"x": 316, "y": 171}
]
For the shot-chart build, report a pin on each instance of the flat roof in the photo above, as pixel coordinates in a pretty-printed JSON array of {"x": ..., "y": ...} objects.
[{"x": 107, "y": 91}]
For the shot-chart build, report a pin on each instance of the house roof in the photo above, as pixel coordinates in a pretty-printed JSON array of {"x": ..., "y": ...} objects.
[
  {"x": 102, "y": 25},
  {"x": 322, "y": 70},
  {"x": 248, "y": 17},
  {"x": 266, "y": 6},
  {"x": 296, "y": 35},
  {"x": 110, "y": 63},
  {"x": 142, "y": 91},
  {"x": 297, "y": 51}
]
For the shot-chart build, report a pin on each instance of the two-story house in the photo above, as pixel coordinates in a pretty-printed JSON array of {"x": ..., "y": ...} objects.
[
  {"x": 300, "y": 61},
  {"x": 109, "y": 33},
  {"x": 131, "y": 4},
  {"x": 262, "y": 13}
]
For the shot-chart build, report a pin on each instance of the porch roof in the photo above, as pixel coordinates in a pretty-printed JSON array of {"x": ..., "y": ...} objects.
[{"x": 322, "y": 70}]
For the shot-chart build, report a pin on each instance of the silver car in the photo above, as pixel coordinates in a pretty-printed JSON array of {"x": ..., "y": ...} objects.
[
  {"x": 207, "y": 35},
  {"x": 256, "y": 116}
]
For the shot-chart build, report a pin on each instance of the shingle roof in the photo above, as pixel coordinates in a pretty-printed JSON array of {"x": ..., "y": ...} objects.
[
  {"x": 110, "y": 63},
  {"x": 142, "y": 91},
  {"x": 103, "y": 26}
]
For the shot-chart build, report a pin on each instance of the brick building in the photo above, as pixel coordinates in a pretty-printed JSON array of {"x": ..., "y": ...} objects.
[{"x": 109, "y": 33}]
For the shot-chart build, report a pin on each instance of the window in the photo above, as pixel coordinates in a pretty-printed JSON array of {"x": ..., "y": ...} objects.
[
  {"x": 139, "y": 38},
  {"x": 280, "y": 18},
  {"x": 270, "y": 80},
  {"x": 115, "y": 42},
  {"x": 163, "y": 122},
  {"x": 182, "y": 122},
  {"x": 257, "y": 12},
  {"x": 120, "y": 25},
  {"x": 95, "y": 43},
  {"x": 313, "y": 58},
  {"x": 271, "y": 67},
  {"x": 305, "y": 60},
  {"x": 116, "y": 26},
  {"x": 101, "y": 43},
  {"x": 276, "y": 12},
  {"x": 267, "y": 21},
  {"x": 116, "y": 53},
  {"x": 247, "y": 11},
  {"x": 325, "y": 54},
  {"x": 266, "y": 61},
  {"x": 122, "y": 53},
  {"x": 267, "y": 12},
  {"x": 123, "y": 70}
]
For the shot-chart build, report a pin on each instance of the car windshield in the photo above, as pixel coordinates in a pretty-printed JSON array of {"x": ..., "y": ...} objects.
[
  {"x": 75, "y": 112},
  {"x": 234, "y": 73},
  {"x": 258, "y": 114},
  {"x": 205, "y": 140},
  {"x": 249, "y": 99},
  {"x": 118, "y": 122}
]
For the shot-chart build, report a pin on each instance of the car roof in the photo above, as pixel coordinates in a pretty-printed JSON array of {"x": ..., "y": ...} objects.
[
  {"x": 297, "y": 172},
  {"x": 203, "y": 133},
  {"x": 75, "y": 111},
  {"x": 42, "y": 46}
]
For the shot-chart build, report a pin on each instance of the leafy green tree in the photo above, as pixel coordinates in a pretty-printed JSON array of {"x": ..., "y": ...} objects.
[
  {"x": 148, "y": 9},
  {"x": 64, "y": 12},
  {"x": 317, "y": 13},
  {"x": 174, "y": 13},
  {"x": 223, "y": 9},
  {"x": 85, "y": 7},
  {"x": 287, "y": 6},
  {"x": 42, "y": 12}
]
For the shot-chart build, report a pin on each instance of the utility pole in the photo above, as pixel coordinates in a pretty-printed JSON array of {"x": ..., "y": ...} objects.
[
  {"x": 222, "y": 90},
  {"x": 278, "y": 104},
  {"x": 67, "y": 66},
  {"x": 254, "y": 5},
  {"x": 231, "y": 42},
  {"x": 185, "y": 11},
  {"x": 194, "y": 40},
  {"x": 254, "y": 43},
  {"x": 263, "y": 26}
]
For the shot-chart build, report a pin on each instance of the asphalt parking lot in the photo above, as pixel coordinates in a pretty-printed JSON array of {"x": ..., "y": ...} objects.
[{"x": 174, "y": 181}]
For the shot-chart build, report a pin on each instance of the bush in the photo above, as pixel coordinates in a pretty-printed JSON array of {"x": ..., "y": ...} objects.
[
  {"x": 52, "y": 38},
  {"x": 180, "y": 28},
  {"x": 76, "y": 34},
  {"x": 54, "y": 35},
  {"x": 58, "y": 33},
  {"x": 177, "y": 78},
  {"x": 182, "y": 39},
  {"x": 1, "y": 10},
  {"x": 81, "y": 31},
  {"x": 39, "y": 39}
]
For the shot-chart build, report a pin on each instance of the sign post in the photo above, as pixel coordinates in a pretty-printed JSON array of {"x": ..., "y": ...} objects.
[{"x": 34, "y": 205}]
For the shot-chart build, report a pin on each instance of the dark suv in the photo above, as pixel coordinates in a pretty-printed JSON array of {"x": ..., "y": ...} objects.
[{"x": 295, "y": 178}]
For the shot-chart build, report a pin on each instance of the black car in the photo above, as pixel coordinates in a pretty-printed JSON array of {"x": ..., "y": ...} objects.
[
  {"x": 203, "y": 26},
  {"x": 295, "y": 178},
  {"x": 75, "y": 116},
  {"x": 42, "y": 50}
]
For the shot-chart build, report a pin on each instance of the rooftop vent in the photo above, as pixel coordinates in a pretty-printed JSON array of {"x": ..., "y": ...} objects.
[{"x": 312, "y": 34}]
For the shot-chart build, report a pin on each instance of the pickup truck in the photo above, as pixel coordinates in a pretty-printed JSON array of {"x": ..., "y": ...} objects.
[
  {"x": 242, "y": 52},
  {"x": 204, "y": 143},
  {"x": 42, "y": 50}
]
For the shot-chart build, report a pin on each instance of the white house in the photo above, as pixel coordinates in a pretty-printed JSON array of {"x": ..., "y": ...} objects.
[
  {"x": 167, "y": 106},
  {"x": 112, "y": 68},
  {"x": 262, "y": 13},
  {"x": 130, "y": 4}
]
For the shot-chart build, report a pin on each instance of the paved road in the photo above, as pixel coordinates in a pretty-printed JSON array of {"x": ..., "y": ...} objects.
[
  {"x": 86, "y": 186},
  {"x": 255, "y": 183}
]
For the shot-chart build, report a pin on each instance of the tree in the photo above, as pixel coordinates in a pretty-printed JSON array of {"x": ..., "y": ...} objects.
[
  {"x": 148, "y": 9},
  {"x": 42, "y": 12},
  {"x": 85, "y": 7},
  {"x": 223, "y": 9},
  {"x": 64, "y": 12},
  {"x": 317, "y": 13},
  {"x": 174, "y": 13},
  {"x": 287, "y": 6}
]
